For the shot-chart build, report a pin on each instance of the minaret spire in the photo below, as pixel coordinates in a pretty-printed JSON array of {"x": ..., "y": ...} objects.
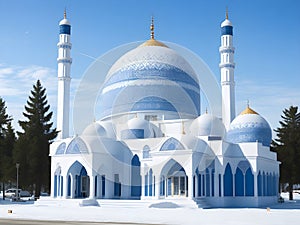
[
  {"x": 152, "y": 28},
  {"x": 65, "y": 14},
  {"x": 226, "y": 13}
]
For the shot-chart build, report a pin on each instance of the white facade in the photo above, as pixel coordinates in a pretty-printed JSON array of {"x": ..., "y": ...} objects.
[{"x": 151, "y": 142}]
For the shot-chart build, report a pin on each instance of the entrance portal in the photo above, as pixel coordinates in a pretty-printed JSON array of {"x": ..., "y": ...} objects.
[
  {"x": 176, "y": 180},
  {"x": 177, "y": 186}
]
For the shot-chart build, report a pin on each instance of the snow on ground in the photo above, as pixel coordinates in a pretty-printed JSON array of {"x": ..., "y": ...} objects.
[{"x": 279, "y": 214}]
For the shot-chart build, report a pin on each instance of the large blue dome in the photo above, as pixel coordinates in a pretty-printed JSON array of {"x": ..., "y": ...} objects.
[
  {"x": 151, "y": 78},
  {"x": 249, "y": 126}
]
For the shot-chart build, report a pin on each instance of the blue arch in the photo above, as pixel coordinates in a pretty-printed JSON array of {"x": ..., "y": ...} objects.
[
  {"x": 77, "y": 146},
  {"x": 239, "y": 182},
  {"x": 228, "y": 181},
  {"x": 135, "y": 177},
  {"x": 259, "y": 184},
  {"x": 150, "y": 182},
  {"x": 249, "y": 184},
  {"x": 207, "y": 182},
  {"x": 171, "y": 144}
]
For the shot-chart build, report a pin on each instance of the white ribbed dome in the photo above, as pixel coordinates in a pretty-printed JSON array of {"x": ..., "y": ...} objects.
[{"x": 207, "y": 125}]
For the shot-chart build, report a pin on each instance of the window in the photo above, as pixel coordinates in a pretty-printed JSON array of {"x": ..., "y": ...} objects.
[
  {"x": 103, "y": 185},
  {"x": 117, "y": 185}
]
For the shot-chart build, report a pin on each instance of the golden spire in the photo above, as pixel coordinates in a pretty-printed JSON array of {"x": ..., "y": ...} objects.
[
  {"x": 226, "y": 13},
  {"x": 152, "y": 28},
  {"x": 65, "y": 14},
  {"x": 152, "y": 41}
]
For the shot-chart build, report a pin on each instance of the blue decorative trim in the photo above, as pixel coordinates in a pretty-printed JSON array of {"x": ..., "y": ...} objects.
[
  {"x": 64, "y": 46},
  {"x": 230, "y": 65},
  {"x": 153, "y": 103},
  {"x": 152, "y": 71},
  {"x": 64, "y": 60},
  {"x": 226, "y": 50},
  {"x": 227, "y": 30},
  {"x": 250, "y": 134},
  {"x": 65, "y": 29}
]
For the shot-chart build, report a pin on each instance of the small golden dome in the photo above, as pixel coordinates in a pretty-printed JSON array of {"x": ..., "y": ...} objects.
[
  {"x": 248, "y": 110},
  {"x": 153, "y": 42}
]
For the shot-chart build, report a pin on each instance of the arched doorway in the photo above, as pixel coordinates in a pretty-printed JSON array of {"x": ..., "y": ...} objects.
[
  {"x": 175, "y": 179},
  {"x": 135, "y": 177},
  {"x": 80, "y": 184}
]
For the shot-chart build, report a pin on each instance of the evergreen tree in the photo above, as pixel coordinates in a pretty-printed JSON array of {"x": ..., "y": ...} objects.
[
  {"x": 287, "y": 145},
  {"x": 5, "y": 145},
  {"x": 32, "y": 149}
]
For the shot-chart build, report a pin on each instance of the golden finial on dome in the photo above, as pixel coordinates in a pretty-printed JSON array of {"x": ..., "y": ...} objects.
[
  {"x": 248, "y": 110},
  {"x": 152, "y": 28},
  {"x": 226, "y": 13},
  {"x": 65, "y": 14}
]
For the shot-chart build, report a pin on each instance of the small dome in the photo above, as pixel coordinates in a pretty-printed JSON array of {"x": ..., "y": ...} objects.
[
  {"x": 207, "y": 125},
  {"x": 94, "y": 129},
  {"x": 249, "y": 126},
  {"x": 141, "y": 124},
  {"x": 65, "y": 21},
  {"x": 225, "y": 23}
]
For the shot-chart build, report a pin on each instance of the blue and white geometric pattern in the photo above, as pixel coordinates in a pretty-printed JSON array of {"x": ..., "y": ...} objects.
[
  {"x": 250, "y": 128},
  {"x": 151, "y": 73}
]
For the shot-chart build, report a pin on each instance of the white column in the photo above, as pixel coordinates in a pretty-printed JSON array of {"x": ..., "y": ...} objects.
[
  {"x": 92, "y": 186},
  {"x": 65, "y": 186},
  {"x": 190, "y": 185},
  {"x": 73, "y": 184}
]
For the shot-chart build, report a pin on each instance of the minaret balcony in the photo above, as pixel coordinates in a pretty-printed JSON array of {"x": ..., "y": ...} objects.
[
  {"x": 64, "y": 60},
  {"x": 64, "y": 45},
  {"x": 227, "y": 65},
  {"x": 228, "y": 49}
]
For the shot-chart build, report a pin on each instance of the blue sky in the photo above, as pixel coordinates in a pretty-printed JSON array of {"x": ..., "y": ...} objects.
[{"x": 266, "y": 38}]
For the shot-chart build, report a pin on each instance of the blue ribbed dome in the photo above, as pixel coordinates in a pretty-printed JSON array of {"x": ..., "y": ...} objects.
[
  {"x": 150, "y": 78},
  {"x": 249, "y": 126}
]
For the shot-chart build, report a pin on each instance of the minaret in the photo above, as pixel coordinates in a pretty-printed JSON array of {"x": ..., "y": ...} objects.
[
  {"x": 64, "y": 62},
  {"x": 227, "y": 66}
]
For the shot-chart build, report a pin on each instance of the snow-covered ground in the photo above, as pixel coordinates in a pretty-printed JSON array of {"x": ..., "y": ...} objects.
[{"x": 279, "y": 214}]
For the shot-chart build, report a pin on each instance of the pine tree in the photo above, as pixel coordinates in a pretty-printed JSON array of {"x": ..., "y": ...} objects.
[
  {"x": 287, "y": 145},
  {"x": 5, "y": 144},
  {"x": 32, "y": 148}
]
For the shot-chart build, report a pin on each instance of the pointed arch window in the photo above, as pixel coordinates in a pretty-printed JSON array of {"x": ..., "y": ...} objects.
[{"x": 171, "y": 144}]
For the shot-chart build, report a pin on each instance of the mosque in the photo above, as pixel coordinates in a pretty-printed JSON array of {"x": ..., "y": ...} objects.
[{"x": 151, "y": 143}]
